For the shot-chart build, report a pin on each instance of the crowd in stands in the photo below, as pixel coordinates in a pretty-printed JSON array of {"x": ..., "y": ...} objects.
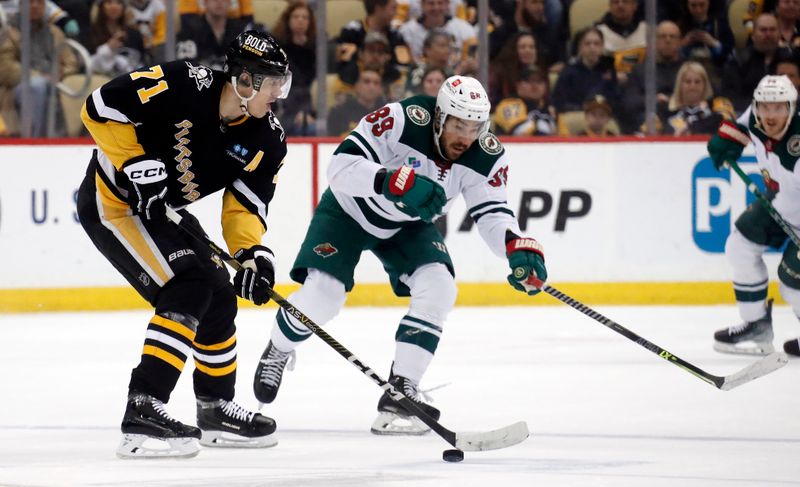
[{"x": 550, "y": 72}]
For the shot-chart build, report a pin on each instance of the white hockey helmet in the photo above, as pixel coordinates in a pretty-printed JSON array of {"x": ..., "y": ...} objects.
[
  {"x": 772, "y": 89},
  {"x": 462, "y": 97}
]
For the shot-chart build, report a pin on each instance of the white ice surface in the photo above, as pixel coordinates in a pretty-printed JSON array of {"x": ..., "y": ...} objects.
[{"x": 602, "y": 410}]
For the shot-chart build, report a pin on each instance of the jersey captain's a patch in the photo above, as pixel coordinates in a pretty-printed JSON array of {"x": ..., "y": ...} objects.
[
  {"x": 490, "y": 144},
  {"x": 793, "y": 145},
  {"x": 418, "y": 115},
  {"x": 201, "y": 75}
]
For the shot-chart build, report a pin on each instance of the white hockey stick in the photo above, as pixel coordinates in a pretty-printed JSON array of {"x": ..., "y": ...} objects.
[{"x": 488, "y": 440}]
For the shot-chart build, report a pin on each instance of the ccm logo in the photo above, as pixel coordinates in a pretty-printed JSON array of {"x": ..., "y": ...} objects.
[
  {"x": 144, "y": 172},
  {"x": 180, "y": 253}
]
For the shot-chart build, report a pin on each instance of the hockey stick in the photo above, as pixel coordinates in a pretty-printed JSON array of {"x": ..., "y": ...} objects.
[
  {"x": 764, "y": 366},
  {"x": 751, "y": 186},
  {"x": 479, "y": 441}
]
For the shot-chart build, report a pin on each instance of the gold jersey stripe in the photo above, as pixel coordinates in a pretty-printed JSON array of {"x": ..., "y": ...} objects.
[
  {"x": 117, "y": 140},
  {"x": 240, "y": 228},
  {"x": 217, "y": 346},
  {"x": 108, "y": 196},
  {"x": 163, "y": 355},
  {"x": 128, "y": 229},
  {"x": 215, "y": 372},
  {"x": 178, "y": 328}
]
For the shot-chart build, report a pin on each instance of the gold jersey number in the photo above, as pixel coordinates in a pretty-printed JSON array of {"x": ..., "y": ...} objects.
[{"x": 153, "y": 73}]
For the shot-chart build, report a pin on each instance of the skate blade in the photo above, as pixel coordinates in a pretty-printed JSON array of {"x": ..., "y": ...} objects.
[
  {"x": 745, "y": 348},
  {"x": 223, "y": 439},
  {"x": 133, "y": 446},
  {"x": 395, "y": 425}
]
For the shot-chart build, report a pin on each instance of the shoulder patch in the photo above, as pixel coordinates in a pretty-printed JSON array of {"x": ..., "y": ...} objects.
[
  {"x": 201, "y": 75},
  {"x": 793, "y": 145},
  {"x": 418, "y": 115},
  {"x": 490, "y": 144}
]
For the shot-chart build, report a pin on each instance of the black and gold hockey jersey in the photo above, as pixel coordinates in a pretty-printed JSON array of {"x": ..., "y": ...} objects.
[{"x": 170, "y": 112}]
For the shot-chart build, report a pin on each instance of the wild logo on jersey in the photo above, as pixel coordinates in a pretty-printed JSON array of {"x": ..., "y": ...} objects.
[
  {"x": 325, "y": 250},
  {"x": 418, "y": 115},
  {"x": 184, "y": 163},
  {"x": 490, "y": 144},
  {"x": 793, "y": 145}
]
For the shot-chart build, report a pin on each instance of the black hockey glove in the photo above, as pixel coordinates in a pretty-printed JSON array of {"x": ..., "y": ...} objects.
[
  {"x": 525, "y": 257},
  {"x": 257, "y": 274},
  {"x": 147, "y": 190},
  {"x": 420, "y": 194}
]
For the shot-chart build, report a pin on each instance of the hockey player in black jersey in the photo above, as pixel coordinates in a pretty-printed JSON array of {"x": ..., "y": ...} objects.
[{"x": 172, "y": 134}]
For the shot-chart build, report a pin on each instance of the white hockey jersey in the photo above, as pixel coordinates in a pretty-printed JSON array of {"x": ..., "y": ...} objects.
[{"x": 402, "y": 134}]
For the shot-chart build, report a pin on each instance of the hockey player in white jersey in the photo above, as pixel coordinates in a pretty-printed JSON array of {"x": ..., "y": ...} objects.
[
  {"x": 401, "y": 167},
  {"x": 773, "y": 125}
]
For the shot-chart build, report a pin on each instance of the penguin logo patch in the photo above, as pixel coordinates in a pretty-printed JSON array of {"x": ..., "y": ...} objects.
[
  {"x": 418, "y": 115},
  {"x": 201, "y": 75}
]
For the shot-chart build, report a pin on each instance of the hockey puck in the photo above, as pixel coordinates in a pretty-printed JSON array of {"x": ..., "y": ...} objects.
[{"x": 453, "y": 456}]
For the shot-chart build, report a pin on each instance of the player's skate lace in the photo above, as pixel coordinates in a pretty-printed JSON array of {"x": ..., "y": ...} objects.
[
  {"x": 274, "y": 364},
  {"x": 736, "y": 329},
  {"x": 233, "y": 410},
  {"x": 157, "y": 405}
]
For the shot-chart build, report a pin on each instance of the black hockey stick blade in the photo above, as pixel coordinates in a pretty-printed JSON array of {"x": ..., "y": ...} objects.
[
  {"x": 753, "y": 371},
  {"x": 480, "y": 441}
]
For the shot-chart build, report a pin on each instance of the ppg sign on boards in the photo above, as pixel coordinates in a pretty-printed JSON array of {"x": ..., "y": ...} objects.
[{"x": 718, "y": 198}]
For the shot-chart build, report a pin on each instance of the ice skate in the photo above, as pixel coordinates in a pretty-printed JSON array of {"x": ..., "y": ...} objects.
[
  {"x": 226, "y": 424},
  {"x": 752, "y": 338},
  {"x": 269, "y": 373},
  {"x": 149, "y": 432},
  {"x": 394, "y": 418},
  {"x": 792, "y": 347}
]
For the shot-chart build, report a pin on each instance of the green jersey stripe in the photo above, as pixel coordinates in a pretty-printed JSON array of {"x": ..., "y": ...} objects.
[{"x": 363, "y": 141}]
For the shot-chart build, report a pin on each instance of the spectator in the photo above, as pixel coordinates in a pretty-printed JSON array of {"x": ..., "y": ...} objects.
[
  {"x": 527, "y": 111},
  {"x": 692, "y": 108},
  {"x": 117, "y": 48},
  {"x": 597, "y": 114},
  {"x": 518, "y": 54},
  {"x": 432, "y": 80},
  {"x": 296, "y": 30},
  {"x": 45, "y": 41},
  {"x": 790, "y": 68},
  {"x": 744, "y": 70},
  {"x": 367, "y": 97},
  {"x": 379, "y": 19},
  {"x": 437, "y": 54},
  {"x": 788, "y": 14},
  {"x": 207, "y": 38},
  {"x": 150, "y": 17},
  {"x": 624, "y": 35},
  {"x": 374, "y": 55},
  {"x": 668, "y": 62},
  {"x": 590, "y": 73},
  {"x": 707, "y": 38},
  {"x": 191, "y": 10},
  {"x": 412, "y": 9},
  {"x": 435, "y": 16},
  {"x": 530, "y": 17}
]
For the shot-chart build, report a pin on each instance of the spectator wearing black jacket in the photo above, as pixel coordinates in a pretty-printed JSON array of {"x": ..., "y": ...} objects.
[
  {"x": 589, "y": 73},
  {"x": 744, "y": 70},
  {"x": 205, "y": 39}
]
